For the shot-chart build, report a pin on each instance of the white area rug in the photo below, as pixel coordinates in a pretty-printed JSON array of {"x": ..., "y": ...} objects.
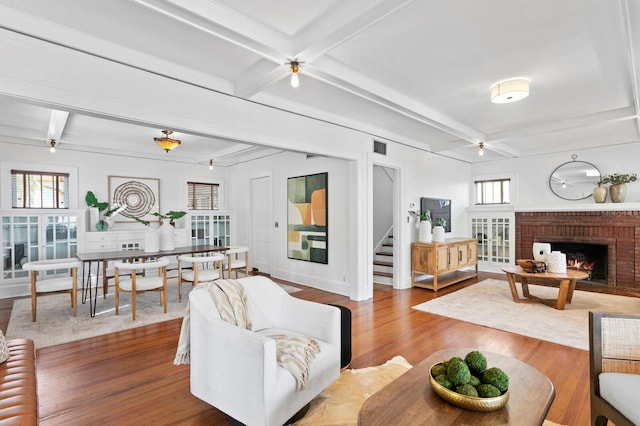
[
  {"x": 489, "y": 303},
  {"x": 55, "y": 325}
]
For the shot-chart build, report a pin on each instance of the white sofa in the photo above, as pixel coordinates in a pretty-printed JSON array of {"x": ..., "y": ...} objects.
[{"x": 235, "y": 370}]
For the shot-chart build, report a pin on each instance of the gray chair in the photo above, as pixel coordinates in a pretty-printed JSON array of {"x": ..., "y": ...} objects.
[{"x": 614, "y": 357}]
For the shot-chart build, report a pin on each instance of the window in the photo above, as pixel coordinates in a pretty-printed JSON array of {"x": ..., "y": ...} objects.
[
  {"x": 39, "y": 190},
  {"x": 494, "y": 191},
  {"x": 203, "y": 196}
]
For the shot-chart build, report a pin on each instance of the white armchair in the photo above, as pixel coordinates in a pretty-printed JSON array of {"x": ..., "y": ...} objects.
[{"x": 235, "y": 370}]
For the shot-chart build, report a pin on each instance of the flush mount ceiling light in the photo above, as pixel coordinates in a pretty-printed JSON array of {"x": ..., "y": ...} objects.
[
  {"x": 295, "y": 69},
  {"x": 481, "y": 149},
  {"x": 166, "y": 142},
  {"x": 508, "y": 91},
  {"x": 53, "y": 146}
]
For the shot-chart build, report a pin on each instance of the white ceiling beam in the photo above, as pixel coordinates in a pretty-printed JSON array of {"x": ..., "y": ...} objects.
[
  {"x": 57, "y": 123},
  {"x": 341, "y": 24},
  {"x": 366, "y": 88},
  {"x": 598, "y": 118},
  {"x": 210, "y": 17},
  {"x": 631, "y": 58}
]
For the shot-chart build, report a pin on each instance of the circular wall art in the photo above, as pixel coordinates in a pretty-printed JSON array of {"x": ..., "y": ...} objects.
[{"x": 138, "y": 197}]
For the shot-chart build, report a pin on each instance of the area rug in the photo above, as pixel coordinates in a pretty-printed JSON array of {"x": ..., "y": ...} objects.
[
  {"x": 55, "y": 325},
  {"x": 339, "y": 404},
  {"x": 489, "y": 303}
]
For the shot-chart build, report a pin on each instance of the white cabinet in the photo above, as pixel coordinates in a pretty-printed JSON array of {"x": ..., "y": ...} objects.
[
  {"x": 126, "y": 240},
  {"x": 494, "y": 233}
]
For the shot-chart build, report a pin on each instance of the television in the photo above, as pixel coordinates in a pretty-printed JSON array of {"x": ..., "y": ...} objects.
[{"x": 438, "y": 207}]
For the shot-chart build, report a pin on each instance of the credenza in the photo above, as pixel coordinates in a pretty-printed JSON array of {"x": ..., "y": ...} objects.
[{"x": 437, "y": 265}]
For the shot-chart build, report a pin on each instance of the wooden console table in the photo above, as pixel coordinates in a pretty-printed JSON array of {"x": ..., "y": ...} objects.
[
  {"x": 443, "y": 262},
  {"x": 409, "y": 400},
  {"x": 566, "y": 285}
]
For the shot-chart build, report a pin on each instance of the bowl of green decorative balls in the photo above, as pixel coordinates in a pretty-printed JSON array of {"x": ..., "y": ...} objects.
[{"x": 469, "y": 383}]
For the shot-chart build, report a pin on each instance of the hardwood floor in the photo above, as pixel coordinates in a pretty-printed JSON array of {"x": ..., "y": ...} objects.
[{"x": 128, "y": 377}]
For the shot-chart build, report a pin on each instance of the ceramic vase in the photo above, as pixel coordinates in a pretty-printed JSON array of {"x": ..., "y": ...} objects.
[
  {"x": 151, "y": 240},
  {"x": 167, "y": 236},
  {"x": 600, "y": 194},
  {"x": 102, "y": 225},
  {"x": 424, "y": 232},
  {"x": 541, "y": 251},
  {"x": 94, "y": 217},
  {"x": 557, "y": 262},
  {"x": 618, "y": 192},
  {"x": 438, "y": 234},
  {"x": 110, "y": 222}
]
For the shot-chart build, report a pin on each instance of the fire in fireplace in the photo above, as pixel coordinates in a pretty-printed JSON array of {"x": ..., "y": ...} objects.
[{"x": 591, "y": 258}]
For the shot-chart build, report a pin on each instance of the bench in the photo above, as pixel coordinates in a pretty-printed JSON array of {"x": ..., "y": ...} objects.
[{"x": 18, "y": 386}]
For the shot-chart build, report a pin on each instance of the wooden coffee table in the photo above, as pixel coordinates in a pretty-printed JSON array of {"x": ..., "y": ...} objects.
[
  {"x": 409, "y": 400},
  {"x": 566, "y": 285}
]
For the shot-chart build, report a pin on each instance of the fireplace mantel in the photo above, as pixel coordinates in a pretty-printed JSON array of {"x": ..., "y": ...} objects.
[
  {"x": 580, "y": 207},
  {"x": 617, "y": 227}
]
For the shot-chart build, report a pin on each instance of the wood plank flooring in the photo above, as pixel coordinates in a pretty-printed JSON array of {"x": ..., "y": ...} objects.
[{"x": 128, "y": 378}]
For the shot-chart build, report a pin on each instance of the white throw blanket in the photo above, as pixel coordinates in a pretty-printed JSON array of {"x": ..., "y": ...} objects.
[{"x": 294, "y": 353}]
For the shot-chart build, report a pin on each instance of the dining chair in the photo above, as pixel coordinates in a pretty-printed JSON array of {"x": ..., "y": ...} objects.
[
  {"x": 135, "y": 284},
  {"x": 203, "y": 268},
  {"x": 53, "y": 285},
  {"x": 237, "y": 259}
]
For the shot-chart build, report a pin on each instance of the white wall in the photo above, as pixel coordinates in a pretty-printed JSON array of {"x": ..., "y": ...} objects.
[
  {"x": 533, "y": 173},
  {"x": 337, "y": 275}
]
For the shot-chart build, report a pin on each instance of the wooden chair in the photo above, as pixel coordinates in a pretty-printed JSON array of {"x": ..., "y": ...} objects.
[
  {"x": 135, "y": 284},
  {"x": 53, "y": 285},
  {"x": 203, "y": 268},
  {"x": 614, "y": 356},
  {"x": 237, "y": 259}
]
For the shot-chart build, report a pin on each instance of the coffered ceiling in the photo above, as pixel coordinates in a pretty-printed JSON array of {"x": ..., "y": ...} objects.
[{"x": 418, "y": 72}]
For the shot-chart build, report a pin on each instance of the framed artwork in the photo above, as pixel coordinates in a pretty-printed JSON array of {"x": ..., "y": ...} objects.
[
  {"x": 307, "y": 227},
  {"x": 141, "y": 195}
]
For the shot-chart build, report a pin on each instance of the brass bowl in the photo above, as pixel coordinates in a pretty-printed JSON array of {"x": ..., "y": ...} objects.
[{"x": 472, "y": 403}]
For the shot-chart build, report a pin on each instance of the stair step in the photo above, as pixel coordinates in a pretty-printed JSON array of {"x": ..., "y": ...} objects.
[
  {"x": 387, "y": 244},
  {"x": 384, "y": 253},
  {"x": 381, "y": 263},
  {"x": 383, "y": 274}
]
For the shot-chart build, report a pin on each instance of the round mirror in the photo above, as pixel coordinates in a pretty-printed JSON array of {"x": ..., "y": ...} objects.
[{"x": 574, "y": 180}]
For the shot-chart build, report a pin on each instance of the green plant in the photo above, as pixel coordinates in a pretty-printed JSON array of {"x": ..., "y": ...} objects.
[
  {"x": 142, "y": 221},
  {"x": 426, "y": 216},
  {"x": 92, "y": 201},
  {"x": 440, "y": 222},
  {"x": 618, "y": 178},
  {"x": 172, "y": 215}
]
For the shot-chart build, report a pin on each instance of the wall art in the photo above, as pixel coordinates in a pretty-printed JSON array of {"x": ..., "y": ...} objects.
[{"x": 307, "y": 227}]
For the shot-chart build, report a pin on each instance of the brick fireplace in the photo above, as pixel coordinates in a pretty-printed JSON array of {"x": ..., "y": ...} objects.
[{"x": 618, "y": 231}]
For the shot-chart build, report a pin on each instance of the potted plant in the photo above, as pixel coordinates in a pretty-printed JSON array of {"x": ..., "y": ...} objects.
[
  {"x": 171, "y": 215},
  {"x": 438, "y": 229},
  {"x": 618, "y": 188},
  {"x": 101, "y": 224}
]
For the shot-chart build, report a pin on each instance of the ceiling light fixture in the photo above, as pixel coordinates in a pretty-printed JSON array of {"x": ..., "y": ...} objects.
[
  {"x": 53, "y": 146},
  {"x": 210, "y": 164},
  {"x": 508, "y": 91},
  {"x": 295, "y": 69},
  {"x": 166, "y": 142},
  {"x": 481, "y": 149}
]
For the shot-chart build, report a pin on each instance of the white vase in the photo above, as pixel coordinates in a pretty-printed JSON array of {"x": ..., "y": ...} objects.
[
  {"x": 151, "y": 240},
  {"x": 167, "y": 236},
  {"x": 94, "y": 217},
  {"x": 110, "y": 222},
  {"x": 424, "y": 232},
  {"x": 540, "y": 251},
  {"x": 438, "y": 234},
  {"x": 557, "y": 262}
]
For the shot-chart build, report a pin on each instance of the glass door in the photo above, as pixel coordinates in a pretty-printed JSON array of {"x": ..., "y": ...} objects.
[{"x": 19, "y": 244}]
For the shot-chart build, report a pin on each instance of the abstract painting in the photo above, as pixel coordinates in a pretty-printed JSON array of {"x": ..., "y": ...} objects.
[
  {"x": 141, "y": 195},
  {"x": 307, "y": 230}
]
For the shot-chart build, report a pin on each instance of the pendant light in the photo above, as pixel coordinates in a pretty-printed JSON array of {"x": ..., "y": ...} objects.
[{"x": 166, "y": 142}]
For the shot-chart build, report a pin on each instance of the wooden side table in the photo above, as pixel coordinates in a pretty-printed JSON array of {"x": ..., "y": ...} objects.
[
  {"x": 566, "y": 285},
  {"x": 409, "y": 400}
]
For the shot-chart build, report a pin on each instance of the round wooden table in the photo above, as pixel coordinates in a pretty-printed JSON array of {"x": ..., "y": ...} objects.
[
  {"x": 409, "y": 400},
  {"x": 566, "y": 285}
]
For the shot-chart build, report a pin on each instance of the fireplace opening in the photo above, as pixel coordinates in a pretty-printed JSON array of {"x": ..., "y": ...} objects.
[{"x": 591, "y": 258}]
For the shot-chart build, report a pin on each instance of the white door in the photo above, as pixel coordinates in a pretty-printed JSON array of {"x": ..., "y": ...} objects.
[{"x": 261, "y": 224}]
